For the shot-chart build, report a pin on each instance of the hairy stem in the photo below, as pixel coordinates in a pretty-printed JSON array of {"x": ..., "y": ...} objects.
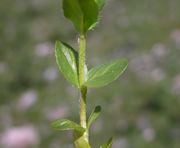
[
  {"x": 82, "y": 48},
  {"x": 83, "y": 111},
  {"x": 83, "y": 89}
]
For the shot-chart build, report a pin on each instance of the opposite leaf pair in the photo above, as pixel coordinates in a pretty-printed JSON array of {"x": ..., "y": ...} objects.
[
  {"x": 64, "y": 124},
  {"x": 101, "y": 75}
]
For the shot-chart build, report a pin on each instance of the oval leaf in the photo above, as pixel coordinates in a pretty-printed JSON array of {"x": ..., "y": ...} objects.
[
  {"x": 94, "y": 115},
  {"x": 108, "y": 144},
  {"x": 82, "y": 13},
  {"x": 66, "y": 58},
  {"x": 106, "y": 73},
  {"x": 64, "y": 124}
]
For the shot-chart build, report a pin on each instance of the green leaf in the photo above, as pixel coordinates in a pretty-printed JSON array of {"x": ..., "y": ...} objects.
[
  {"x": 64, "y": 124},
  {"x": 82, "y": 13},
  {"x": 94, "y": 115},
  {"x": 106, "y": 73},
  {"x": 100, "y": 3},
  {"x": 108, "y": 144},
  {"x": 66, "y": 58}
]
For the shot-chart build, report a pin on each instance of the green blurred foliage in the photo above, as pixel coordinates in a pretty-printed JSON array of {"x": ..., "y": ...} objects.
[{"x": 141, "y": 109}]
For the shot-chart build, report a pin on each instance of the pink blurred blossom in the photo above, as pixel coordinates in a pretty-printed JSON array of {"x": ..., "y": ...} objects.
[
  {"x": 19, "y": 137},
  {"x": 56, "y": 113},
  {"x": 27, "y": 99},
  {"x": 43, "y": 49}
]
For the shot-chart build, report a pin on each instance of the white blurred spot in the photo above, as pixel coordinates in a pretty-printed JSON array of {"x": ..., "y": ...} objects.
[
  {"x": 20, "y": 137},
  {"x": 145, "y": 128},
  {"x": 157, "y": 74},
  {"x": 43, "y": 49},
  {"x": 120, "y": 143},
  {"x": 27, "y": 99},
  {"x": 148, "y": 134},
  {"x": 175, "y": 35},
  {"x": 3, "y": 67},
  {"x": 50, "y": 74},
  {"x": 159, "y": 50},
  {"x": 142, "y": 65},
  {"x": 176, "y": 85}
]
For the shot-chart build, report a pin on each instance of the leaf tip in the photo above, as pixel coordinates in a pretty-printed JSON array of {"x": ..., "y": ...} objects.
[{"x": 97, "y": 109}]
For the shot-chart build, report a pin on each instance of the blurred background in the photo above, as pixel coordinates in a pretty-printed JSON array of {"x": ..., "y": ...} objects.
[{"x": 140, "y": 110}]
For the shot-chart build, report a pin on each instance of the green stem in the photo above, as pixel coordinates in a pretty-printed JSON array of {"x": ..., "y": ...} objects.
[
  {"x": 82, "y": 48},
  {"x": 83, "y": 89},
  {"x": 83, "y": 112}
]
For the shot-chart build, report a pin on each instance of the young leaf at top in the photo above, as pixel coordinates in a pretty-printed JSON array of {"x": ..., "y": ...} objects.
[
  {"x": 106, "y": 73},
  {"x": 108, "y": 144},
  {"x": 100, "y": 3},
  {"x": 66, "y": 58},
  {"x": 94, "y": 115},
  {"x": 64, "y": 124},
  {"x": 82, "y": 13}
]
